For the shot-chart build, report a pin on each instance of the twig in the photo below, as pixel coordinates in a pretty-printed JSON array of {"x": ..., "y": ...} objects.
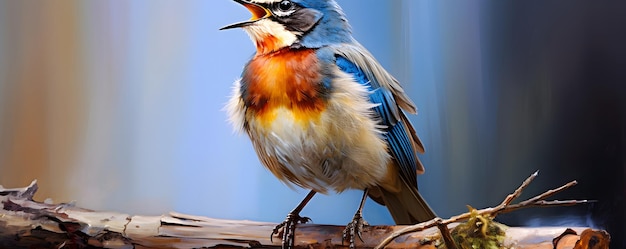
[
  {"x": 550, "y": 192},
  {"x": 503, "y": 207},
  {"x": 518, "y": 191},
  {"x": 542, "y": 203},
  {"x": 538, "y": 201}
]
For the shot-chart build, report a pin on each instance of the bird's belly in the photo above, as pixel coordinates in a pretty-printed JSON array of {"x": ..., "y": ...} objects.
[{"x": 338, "y": 149}]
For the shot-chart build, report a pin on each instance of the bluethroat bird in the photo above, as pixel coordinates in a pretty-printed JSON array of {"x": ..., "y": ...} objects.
[{"x": 323, "y": 114}]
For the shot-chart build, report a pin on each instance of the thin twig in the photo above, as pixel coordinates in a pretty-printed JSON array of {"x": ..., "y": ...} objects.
[
  {"x": 518, "y": 191},
  {"x": 550, "y": 192},
  {"x": 543, "y": 203},
  {"x": 503, "y": 207}
]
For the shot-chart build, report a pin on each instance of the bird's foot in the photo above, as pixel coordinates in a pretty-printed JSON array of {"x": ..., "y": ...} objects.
[
  {"x": 289, "y": 229},
  {"x": 354, "y": 229}
]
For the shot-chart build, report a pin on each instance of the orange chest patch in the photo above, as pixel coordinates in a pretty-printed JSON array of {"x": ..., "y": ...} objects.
[
  {"x": 288, "y": 79},
  {"x": 267, "y": 44}
]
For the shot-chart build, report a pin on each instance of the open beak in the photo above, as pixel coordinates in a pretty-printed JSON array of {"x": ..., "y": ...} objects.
[{"x": 258, "y": 12}]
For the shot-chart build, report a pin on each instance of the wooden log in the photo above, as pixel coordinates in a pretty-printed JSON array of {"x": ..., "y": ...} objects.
[{"x": 25, "y": 223}]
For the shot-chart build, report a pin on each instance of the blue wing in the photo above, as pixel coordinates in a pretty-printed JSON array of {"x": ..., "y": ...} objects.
[{"x": 398, "y": 130}]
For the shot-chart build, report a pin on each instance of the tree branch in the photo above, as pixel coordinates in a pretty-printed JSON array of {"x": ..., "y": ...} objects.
[{"x": 25, "y": 223}]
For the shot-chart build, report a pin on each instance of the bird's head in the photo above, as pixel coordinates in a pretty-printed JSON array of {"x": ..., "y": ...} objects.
[{"x": 276, "y": 24}]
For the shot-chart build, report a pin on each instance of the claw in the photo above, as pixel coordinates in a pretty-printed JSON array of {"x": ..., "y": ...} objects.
[
  {"x": 289, "y": 229},
  {"x": 289, "y": 225},
  {"x": 354, "y": 229}
]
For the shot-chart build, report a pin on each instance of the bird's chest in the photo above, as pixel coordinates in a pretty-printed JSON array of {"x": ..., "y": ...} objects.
[
  {"x": 310, "y": 128},
  {"x": 286, "y": 84}
]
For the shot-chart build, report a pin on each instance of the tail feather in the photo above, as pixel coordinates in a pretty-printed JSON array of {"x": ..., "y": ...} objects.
[{"x": 407, "y": 206}]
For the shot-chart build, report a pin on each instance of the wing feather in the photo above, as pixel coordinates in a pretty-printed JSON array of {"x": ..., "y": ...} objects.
[{"x": 390, "y": 99}]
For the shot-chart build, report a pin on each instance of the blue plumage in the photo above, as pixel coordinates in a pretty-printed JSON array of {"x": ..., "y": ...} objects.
[{"x": 332, "y": 28}]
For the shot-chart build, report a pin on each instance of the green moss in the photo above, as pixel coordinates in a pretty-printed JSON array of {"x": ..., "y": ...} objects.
[{"x": 479, "y": 232}]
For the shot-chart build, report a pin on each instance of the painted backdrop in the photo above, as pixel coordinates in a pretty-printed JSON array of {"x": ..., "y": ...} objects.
[{"x": 118, "y": 105}]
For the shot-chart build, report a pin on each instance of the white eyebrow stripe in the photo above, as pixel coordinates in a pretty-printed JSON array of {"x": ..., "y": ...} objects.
[{"x": 266, "y": 1}]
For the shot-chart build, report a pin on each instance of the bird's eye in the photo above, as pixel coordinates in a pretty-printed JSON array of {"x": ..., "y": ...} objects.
[{"x": 285, "y": 6}]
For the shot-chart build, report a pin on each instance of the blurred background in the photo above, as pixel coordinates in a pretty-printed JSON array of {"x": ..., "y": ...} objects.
[{"x": 118, "y": 105}]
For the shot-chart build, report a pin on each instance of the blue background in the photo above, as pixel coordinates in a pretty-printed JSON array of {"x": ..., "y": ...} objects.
[{"x": 118, "y": 105}]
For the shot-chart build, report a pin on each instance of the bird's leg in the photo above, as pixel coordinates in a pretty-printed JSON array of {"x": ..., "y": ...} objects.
[
  {"x": 354, "y": 228},
  {"x": 289, "y": 225}
]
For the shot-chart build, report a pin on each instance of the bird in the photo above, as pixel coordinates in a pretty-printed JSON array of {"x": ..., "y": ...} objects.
[{"x": 324, "y": 115}]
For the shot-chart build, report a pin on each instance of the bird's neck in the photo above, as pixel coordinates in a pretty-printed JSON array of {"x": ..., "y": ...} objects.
[
  {"x": 268, "y": 44},
  {"x": 269, "y": 36}
]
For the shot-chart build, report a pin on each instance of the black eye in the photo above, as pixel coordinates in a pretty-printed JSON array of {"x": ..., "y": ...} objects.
[
  {"x": 283, "y": 8},
  {"x": 285, "y": 5}
]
